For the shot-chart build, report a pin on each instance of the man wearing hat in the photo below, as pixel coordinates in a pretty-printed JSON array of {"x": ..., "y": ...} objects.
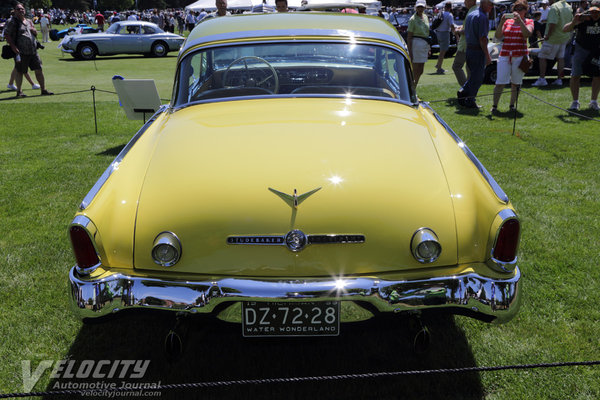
[{"x": 586, "y": 42}]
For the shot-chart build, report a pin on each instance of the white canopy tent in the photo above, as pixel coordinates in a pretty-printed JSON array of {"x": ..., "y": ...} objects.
[{"x": 209, "y": 5}]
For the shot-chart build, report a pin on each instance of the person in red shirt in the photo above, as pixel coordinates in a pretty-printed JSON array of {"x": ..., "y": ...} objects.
[
  {"x": 515, "y": 31},
  {"x": 100, "y": 21}
]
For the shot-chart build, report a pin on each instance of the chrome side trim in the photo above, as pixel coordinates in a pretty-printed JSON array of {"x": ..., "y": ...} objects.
[
  {"x": 115, "y": 164},
  {"x": 489, "y": 299},
  {"x": 89, "y": 227},
  {"x": 498, "y": 265},
  {"x": 484, "y": 172}
]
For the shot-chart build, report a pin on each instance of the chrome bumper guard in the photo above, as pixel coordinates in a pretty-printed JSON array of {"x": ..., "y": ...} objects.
[{"x": 491, "y": 300}]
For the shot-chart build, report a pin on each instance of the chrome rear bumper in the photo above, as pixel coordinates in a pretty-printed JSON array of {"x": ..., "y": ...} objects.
[{"x": 491, "y": 300}]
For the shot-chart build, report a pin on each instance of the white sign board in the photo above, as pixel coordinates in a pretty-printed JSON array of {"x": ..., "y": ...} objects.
[{"x": 138, "y": 97}]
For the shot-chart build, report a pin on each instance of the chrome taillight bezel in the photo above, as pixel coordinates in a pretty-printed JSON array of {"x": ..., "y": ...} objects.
[
  {"x": 83, "y": 222},
  {"x": 501, "y": 219}
]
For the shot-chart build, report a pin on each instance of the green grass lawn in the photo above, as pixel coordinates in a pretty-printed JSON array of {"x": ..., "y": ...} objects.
[{"x": 50, "y": 156}]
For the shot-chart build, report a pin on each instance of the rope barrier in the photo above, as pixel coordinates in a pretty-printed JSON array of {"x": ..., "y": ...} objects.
[
  {"x": 64, "y": 93},
  {"x": 449, "y": 99},
  {"x": 368, "y": 375}
]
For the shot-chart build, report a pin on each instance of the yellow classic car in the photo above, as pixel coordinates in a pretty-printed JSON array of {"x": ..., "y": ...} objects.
[{"x": 293, "y": 183}]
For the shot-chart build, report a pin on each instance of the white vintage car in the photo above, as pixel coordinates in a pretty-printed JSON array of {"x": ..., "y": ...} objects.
[{"x": 128, "y": 37}]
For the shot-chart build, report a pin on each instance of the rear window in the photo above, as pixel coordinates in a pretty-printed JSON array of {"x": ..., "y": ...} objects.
[{"x": 294, "y": 68}]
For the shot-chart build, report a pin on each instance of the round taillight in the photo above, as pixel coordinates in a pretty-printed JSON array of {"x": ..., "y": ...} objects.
[
  {"x": 507, "y": 241},
  {"x": 425, "y": 246},
  {"x": 166, "y": 250},
  {"x": 83, "y": 247}
]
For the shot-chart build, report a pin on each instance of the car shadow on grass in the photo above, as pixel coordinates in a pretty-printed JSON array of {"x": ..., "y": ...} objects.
[
  {"x": 113, "y": 151},
  {"x": 111, "y": 58},
  {"x": 215, "y": 351}
]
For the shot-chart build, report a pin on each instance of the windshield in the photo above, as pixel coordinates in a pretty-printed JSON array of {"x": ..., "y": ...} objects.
[
  {"x": 292, "y": 68},
  {"x": 129, "y": 29}
]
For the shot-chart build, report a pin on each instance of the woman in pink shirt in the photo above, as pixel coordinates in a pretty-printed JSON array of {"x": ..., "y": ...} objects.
[{"x": 515, "y": 31}]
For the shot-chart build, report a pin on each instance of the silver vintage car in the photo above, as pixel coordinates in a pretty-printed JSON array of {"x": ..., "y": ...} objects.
[{"x": 127, "y": 37}]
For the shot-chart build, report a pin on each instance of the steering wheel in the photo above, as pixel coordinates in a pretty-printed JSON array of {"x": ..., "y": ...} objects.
[{"x": 250, "y": 81}]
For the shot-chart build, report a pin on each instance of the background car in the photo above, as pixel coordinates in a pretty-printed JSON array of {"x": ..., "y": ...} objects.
[
  {"x": 551, "y": 70},
  {"x": 80, "y": 29},
  {"x": 400, "y": 22},
  {"x": 293, "y": 183},
  {"x": 127, "y": 37}
]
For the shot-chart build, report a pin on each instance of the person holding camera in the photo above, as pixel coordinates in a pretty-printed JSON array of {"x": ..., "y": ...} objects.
[
  {"x": 587, "y": 28},
  {"x": 20, "y": 34},
  {"x": 515, "y": 29}
]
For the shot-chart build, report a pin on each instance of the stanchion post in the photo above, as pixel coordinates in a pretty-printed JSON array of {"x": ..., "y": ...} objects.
[
  {"x": 93, "y": 89},
  {"x": 515, "y": 110}
]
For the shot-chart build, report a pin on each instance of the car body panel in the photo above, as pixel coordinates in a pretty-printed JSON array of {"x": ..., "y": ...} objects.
[{"x": 344, "y": 154}]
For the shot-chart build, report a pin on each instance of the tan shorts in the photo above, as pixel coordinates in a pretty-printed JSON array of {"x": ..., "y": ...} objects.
[
  {"x": 420, "y": 50},
  {"x": 551, "y": 51}
]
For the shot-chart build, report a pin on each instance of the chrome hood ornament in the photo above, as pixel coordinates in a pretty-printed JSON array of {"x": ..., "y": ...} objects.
[{"x": 294, "y": 200}]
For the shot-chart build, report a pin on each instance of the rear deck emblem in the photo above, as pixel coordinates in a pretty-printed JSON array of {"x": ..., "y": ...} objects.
[
  {"x": 294, "y": 200},
  {"x": 296, "y": 240}
]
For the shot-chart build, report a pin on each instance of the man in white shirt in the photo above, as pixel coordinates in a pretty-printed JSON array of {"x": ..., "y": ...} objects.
[
  {"x": 545, "y": 10},
  {"x": 45, "y": 26},
  {"x": 443, "y": 35}
]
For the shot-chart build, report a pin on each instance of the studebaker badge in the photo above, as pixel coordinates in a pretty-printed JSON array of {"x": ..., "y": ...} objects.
[{"x": 295, "y": 240}]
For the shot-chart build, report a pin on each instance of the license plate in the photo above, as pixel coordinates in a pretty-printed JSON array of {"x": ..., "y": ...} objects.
[{"x": 291, "y": 319}]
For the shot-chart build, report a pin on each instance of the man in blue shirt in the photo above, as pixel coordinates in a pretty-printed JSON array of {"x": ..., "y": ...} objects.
[{"x": 476, "y": 29}]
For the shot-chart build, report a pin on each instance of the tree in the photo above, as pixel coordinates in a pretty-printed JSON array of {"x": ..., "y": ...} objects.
[
  {"x": 117, "y": 5},
  {"x": 149, "y": 4},
  {"x": 37, "y": 4},
  {"x": 80, "y": 5}
]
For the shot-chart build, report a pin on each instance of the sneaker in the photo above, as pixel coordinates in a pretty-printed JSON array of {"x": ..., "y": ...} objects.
[
  {"x": 557, "y": 82},
  {"x": 594, "y": 105},
  {"x": 11, "y": 87},
  {"x": 35, "y": 86},
  {"x": 574, "y": 106},
  {"x": 540, "y": 82},
  {"x": 441, "y": 71},
  {"x": 494, "y": 110}
]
